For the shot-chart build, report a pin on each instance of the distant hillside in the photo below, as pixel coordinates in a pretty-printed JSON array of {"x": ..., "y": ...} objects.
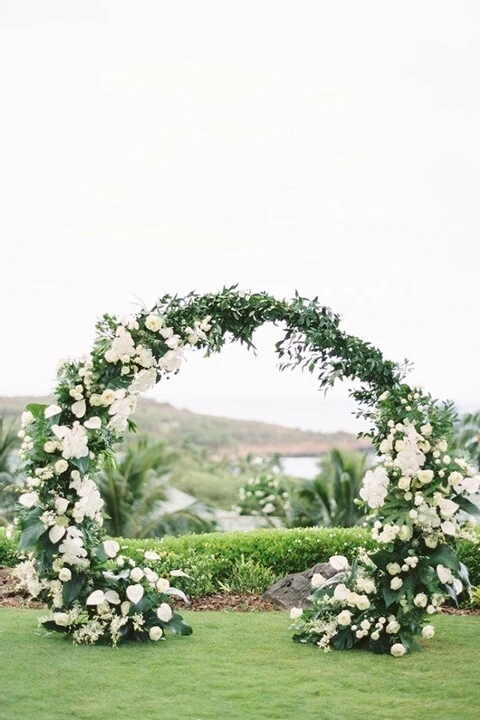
[{"x": 218, "y": 434}]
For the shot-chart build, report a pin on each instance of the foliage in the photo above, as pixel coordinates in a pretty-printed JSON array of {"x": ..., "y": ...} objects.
[
  {"x": 131, "y": 486},
  {"x": 265, "y": 493},
  {"x": 9, "y": 474},
  {"x": 413, "y": 497},
  {"x": 331, "y": 497},
  {"x": 468, "y": 436}
]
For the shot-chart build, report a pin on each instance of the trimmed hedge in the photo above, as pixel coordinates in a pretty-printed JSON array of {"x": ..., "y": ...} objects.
[{"x": 212, "y": 560}]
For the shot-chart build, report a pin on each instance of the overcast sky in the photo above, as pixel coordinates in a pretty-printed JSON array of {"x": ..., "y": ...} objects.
[{"x": 329, "y": 147}]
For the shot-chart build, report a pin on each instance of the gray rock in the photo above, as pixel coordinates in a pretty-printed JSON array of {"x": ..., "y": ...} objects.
[{"x": 294, "y": 589}]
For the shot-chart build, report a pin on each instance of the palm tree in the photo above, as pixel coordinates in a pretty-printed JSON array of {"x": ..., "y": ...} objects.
[
  {"x": 329, "y": 499},
  {"x": 133, "y": 488},
  {"x": 468, "y": 436},
  {"x": 8, "y": 472}
]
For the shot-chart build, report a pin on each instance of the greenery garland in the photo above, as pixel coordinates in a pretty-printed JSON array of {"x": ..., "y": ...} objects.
[{"x": 416, "y": 495}]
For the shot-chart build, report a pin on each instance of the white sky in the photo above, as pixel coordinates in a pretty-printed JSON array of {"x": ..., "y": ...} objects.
[{"x": 329, "y": 147}]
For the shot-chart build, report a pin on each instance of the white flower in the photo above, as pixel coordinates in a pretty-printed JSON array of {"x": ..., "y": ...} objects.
[
  {"x": 397, "y": 650},
  {"x": 155, "y": 633},
  {"x": 61, "y": 466},
  {"x": 396, "y": 583},
  {"x": 153, "y": 323},
  {"x": 375, "y": 487},
  {"x": 385, "y": 446},
  {"x": 425, "y": 476},
  {"x": 178, "y": 573},
  {"x": 164, "y": 612},
  {"x": 447, "y": 507},
  {"x": 79, "y": 408},
  {"x": 162, "y": 585},
  {"x": 318, "y": 581},
  {"x": 136, "y": 574},
  {"x": 122, "y": 345},
  {"x": 426, "y": 429},
  {"x": 420, "y": 600},
  {"x": 151, "y": 555},
  {"x": 97, "y": 597},
  {"x": 339, "y": 562},
  {"x": 27, "y": 418},
  {"x": 134, "y": 593},
  {"x": 393, "y": 568},
  {"x": 144, "y": 380},
  {"x": 50, "y": 446},
  {"x": 362, "y": 602},
  {"x": 93, "y": 423},
  {"x": 470, "y": 485},
  {"x": 341, "y": 592},
  {"x": 65, "y": 575},
  {"x": 393, "y": 627},
  {"x": 410, "y": 460},
  {"x": 56, "y": 533},
  {"x": 344, "y": 618},
  {"x": 404, "y": 483},
  {"x": 444, "y": 574},
  {"x": 75, "y": 441},
  {"x": 28, "y": 500},
  {"x": 112, "y": 597},
  {"x": 61, "y": 619},
  {"x": 428, "y": 632},
  {"x": 458, "y": 585},
  {"x": 111, "y": 548},
  {"x": 449, "y": 528},
  {"x": 52, "y": 410}
]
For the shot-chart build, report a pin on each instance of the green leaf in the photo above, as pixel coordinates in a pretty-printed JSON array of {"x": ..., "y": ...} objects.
[
  {"x": 81, "y": 463},
  {"x": 467, "y": 506},
  {"x": 37, "y": 410},
  {"x": 32, "y": 529},
  {"x": 73, "y": 588},
  {"x": 390, "y": 596},
  {"x": 443, "y": 555},
  {"x": 178, "y": 625}
]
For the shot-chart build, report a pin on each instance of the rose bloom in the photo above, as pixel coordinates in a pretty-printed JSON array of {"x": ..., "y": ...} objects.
[
  {"x": 397, "y": 650},
  {"x": 295, "y": 613},
  {"x": 363, "y": 603},
  {"x": 393, "y": 568},
  {"x": 428, "y": 632},
  {"x": 65, "y": 575},
  {"x": 396, "y": 583},
  {"x": 392, "y": 627},
  {"x": 344, "y": 618},
  {"x": 162, "y": 584},
  {"x": 420, "y": 600},
  {"x": 153, "y": 323},
  {"x": 155, "y": 633},
  {"x": 136, "y": 574}
]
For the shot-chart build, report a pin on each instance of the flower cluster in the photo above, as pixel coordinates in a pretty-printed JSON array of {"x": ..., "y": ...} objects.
[
  {"x": 263, "y": 495},
  {"x": 62, "y": 516},
  {"x": 420, "y": 501}
]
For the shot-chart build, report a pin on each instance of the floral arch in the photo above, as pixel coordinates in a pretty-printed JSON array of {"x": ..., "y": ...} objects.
[{"x": 417, "y": 495}]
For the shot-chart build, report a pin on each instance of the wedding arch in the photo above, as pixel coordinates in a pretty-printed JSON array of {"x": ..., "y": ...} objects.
[{"x": 417, "y": 495}]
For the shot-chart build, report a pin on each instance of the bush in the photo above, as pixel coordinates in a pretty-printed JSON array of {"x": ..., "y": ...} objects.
[{"x": 220, "y": 559}]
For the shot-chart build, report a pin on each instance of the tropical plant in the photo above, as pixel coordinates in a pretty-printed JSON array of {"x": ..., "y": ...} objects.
[
  {"x": 330, "y": 498},
  {"x": 467, "y": 435},
  {"x": 132, "y": 486},
  {"x": 9, "y": 472}
]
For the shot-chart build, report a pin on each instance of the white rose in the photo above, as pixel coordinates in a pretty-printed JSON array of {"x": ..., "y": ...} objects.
[
  {"x": 393, "y": 568},
  {"x": 363, "y": 603},
  {"x": 393, "y": 627},
  {"x": 396, "y": 583},
  {"x": 404, "y": 483},
  {"x": 454, "y": 478},
  {"x": 50, "y": 446},
  {"x": 162, "y": 585},
  {"x": 428, "y": 632},
  {"x": 155, "y": 633},
  {"x": 27, "y": 418},
  {"x": 61, "y": 619},
  {"x": 425, "y": 476},
  {"x": 426, "y": 429},
  {"x": 397, "y": 650},
  {"x": 296, "y": 613},
  {"x": 64, "y": 575},
  {"x": 420, "y": 600},
  {"x": 344, "y": 618},
  {"x": 61, "y": 466},
  {"x": 153, "y": 323}
]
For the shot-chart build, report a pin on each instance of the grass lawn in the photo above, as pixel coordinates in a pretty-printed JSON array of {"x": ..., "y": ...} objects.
[{"x": 237, "y": 666}]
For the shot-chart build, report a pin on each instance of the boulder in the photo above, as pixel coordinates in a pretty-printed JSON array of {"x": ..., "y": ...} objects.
[{"x": 294, "y": 589}]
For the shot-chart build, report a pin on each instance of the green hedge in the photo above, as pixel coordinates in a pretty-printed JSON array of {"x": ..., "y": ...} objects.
[{"x": 258, "y": 557}]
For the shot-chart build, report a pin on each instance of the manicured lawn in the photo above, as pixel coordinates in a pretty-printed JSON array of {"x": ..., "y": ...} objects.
[{"x": 237, "y": 666}]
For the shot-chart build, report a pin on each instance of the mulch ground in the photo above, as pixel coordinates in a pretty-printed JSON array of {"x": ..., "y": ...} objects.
[{"x": 10, "y": 596}]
